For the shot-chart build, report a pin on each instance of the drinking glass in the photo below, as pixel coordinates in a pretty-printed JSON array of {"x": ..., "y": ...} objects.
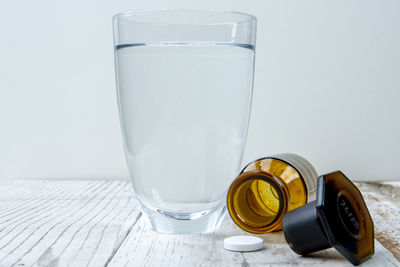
[{"x": 184, "y": 84}]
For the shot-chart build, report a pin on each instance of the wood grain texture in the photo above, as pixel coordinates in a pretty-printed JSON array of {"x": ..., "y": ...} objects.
[
  {"x": 98, "y": 223},
  {"x": 144, "y": 247},
  {"x": 383, "y": 200},
  {"x": 65, "y": 223}
]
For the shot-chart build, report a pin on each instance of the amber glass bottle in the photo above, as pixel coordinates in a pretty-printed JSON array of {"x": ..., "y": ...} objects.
[{"x": 269, "y": 187}]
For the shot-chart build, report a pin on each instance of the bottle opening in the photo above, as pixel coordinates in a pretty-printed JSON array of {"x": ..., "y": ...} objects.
[
  {"x": 262, "y": 203},
  {"x": 257, "y": 201}
]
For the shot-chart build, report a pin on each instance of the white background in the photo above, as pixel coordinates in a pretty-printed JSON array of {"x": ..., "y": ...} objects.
[{"x": 327, "y": 85}]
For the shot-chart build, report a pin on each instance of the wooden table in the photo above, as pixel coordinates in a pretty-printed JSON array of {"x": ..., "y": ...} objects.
[{"x": 98, "y": 222}]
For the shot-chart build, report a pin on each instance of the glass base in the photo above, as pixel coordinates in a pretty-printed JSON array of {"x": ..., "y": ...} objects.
[{"x": 164, "y": 222}]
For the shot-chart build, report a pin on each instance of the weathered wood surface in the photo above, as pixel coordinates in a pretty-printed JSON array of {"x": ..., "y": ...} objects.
[
  {"x": 146, "y": 248},
  {"x": 98, "y": 223},
  {"x": 60, "y": 223},
  {"x": 383, "y": 200}
]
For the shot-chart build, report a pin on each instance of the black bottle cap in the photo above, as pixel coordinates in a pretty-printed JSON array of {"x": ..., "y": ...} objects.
[{"x": 338, "y": 218}]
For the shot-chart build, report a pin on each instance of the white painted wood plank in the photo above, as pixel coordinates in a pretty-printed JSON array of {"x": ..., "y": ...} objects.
[
  {"x": 383, "y": 200},
  {"x": 20, "y": 222},
  {"x": 61, "y": 223},
  {"x": 144, "y": 247},
  {"x": 20, "y": 195},
  {"x": 277, "y": 253},
  {"x": 25, "y": 238},
  {"x": 84, "y": 223}
]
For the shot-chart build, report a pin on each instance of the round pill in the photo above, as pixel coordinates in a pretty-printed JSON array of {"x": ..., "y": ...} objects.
[{"x": 243, "y": 243}]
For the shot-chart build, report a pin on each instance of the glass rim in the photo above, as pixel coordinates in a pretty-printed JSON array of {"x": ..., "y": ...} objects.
[{"x": 125, "y": 14}]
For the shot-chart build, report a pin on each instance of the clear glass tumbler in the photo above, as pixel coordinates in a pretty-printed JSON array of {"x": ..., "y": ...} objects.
[{"x": 184, "y": 83}]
